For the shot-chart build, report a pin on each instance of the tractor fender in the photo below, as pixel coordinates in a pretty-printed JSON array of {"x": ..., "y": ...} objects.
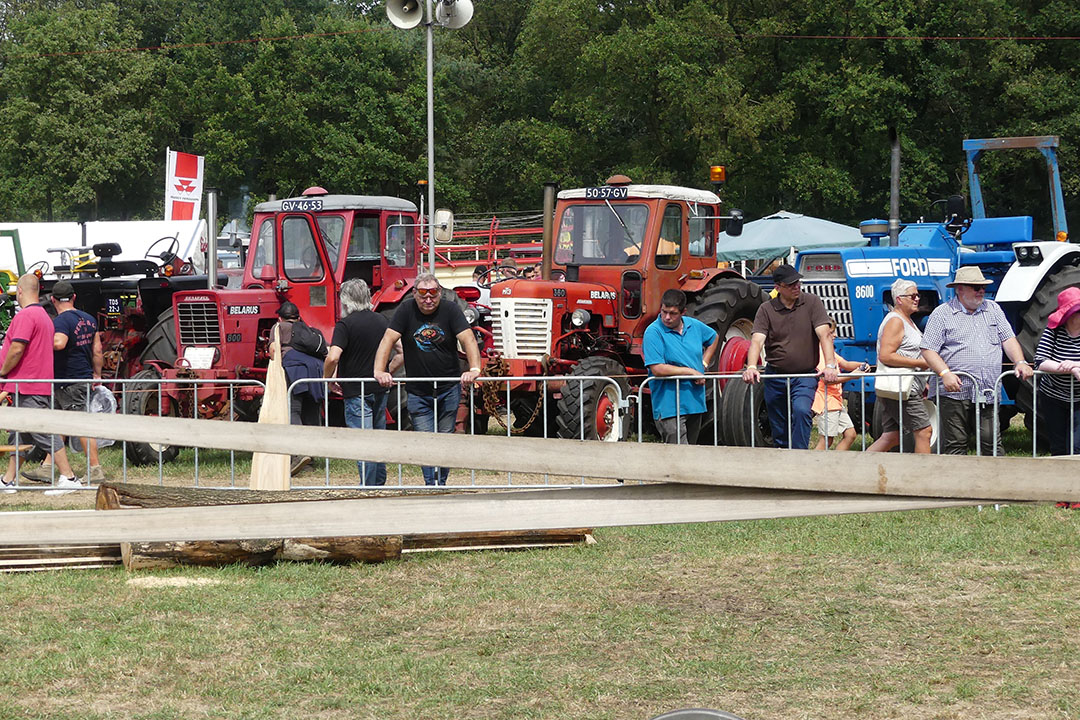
[
  {"x": 1021, "y": 282},
  {"x": 392, "y": 294},
  {"x": 698, "y": 280}
]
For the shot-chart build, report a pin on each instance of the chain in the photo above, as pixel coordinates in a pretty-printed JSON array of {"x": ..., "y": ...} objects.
[{"x": 497, "y": 367}]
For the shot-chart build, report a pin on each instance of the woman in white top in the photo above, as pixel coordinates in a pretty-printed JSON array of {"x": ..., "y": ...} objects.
[{"x": 898, "y": 346}]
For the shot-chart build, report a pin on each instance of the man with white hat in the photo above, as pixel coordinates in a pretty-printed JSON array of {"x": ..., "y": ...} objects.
[{"x": 967, "y": 335}]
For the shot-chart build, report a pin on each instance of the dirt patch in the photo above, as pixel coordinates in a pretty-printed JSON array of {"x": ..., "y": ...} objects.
[{"x": 159, "y": 582}]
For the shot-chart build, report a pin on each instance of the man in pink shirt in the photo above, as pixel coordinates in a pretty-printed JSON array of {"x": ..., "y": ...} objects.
[{"x": 27, "y": 354}]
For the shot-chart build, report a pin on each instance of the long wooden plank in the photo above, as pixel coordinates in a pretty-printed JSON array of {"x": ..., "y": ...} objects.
[
  {"x": 987, "y": 478},
  {"x": 521, "y": 510}
]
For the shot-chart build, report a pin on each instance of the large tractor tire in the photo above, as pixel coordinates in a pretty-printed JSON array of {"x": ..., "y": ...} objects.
[
  {"x": 744, "y": 419},
  {"x": 1033, "y": 322},
  {"x": 728, "y": 306},
  {"x": 590, "y": 410},
  {"x": 161, "y": 341},
  {"x": 142, "y": 399}
]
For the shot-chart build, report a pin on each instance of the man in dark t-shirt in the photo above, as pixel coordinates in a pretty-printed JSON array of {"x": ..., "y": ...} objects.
[
  {"x": 430, "y": 330},
  {"x": 77, "y": 356},
  {"x": 352, "y": 355},
  {"x": 790, "y": 328}
]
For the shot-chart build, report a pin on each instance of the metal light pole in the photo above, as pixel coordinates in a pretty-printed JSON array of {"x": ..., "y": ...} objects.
[{"x": 453, "y": 14}]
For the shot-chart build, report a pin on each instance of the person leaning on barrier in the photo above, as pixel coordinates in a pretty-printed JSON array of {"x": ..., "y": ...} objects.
[
  {"x": 1058, "y": 352},
  {"x": 678, "y": 345},
  {"x": 967, "y": 335},
  {"x": 430, "y": 330},
  {"x": 790, "y": 328},
  {"x": 302, "y": 351},
  {"x": 898, "y": 346},
  {"x": 27, "y": 354},
  {"x": 77, "y": 355},
  {"x": 352, "y": 355}
]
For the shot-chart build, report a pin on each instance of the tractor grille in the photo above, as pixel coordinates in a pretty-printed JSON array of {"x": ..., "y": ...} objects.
[
  {"x": 199, "y": 323},
  {"x": 837, "y": 304},
  {"x": 521, "y": 327}
]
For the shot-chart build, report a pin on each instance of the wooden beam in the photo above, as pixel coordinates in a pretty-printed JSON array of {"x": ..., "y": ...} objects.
[
  {"x": 475, "y": 512},
  {"x": 986, "y": 478}
]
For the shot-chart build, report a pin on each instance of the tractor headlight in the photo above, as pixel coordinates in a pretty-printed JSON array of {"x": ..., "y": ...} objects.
[
  {"x": 1028, "y": 255},
  {"x": 580, "y": 318},
  {"x": 1022, "y": 253},
  {"x": 472, "y": 315}
]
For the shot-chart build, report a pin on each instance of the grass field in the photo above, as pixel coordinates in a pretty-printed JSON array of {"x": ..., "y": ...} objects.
[{"x": 944, "y": 614}]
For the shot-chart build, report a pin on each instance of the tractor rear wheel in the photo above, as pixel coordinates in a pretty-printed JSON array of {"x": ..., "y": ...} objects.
[
  {"x": 744, "y": 418},
  {"x": 590, "y": 410},
  {"x": 728, "y": 306},
  {"x": 1033, "y": 322},
  {"x": 161, "y": 341},
  {"x": 142, "y": 399}
]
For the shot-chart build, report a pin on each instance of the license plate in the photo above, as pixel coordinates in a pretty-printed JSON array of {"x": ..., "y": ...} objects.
[{"x": 606, "y": 193}]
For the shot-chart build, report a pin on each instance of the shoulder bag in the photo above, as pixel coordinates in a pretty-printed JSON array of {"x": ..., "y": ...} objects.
[{"x": 893, "y": 383}]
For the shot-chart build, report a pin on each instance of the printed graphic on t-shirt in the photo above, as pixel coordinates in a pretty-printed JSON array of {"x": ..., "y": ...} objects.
[{"x": 429, "y": 337}]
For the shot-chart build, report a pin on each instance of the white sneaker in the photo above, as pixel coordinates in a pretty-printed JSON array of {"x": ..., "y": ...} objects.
[
  {"x": 65, "y": 485},
  {"x": 8, "y": 488}
]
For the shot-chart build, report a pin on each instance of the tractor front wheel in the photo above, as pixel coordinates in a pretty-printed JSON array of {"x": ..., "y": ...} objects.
[
  {"x": 590, "y": 410},
  {"x": 141, "y": 398}
]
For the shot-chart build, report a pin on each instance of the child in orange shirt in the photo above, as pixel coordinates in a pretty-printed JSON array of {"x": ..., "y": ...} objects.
[{"x": 830, "y": 416}]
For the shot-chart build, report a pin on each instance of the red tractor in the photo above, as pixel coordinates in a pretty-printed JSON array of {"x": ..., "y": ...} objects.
[
  {"x": 615, "y": 250},
  {"x": 301, "y": 250}
]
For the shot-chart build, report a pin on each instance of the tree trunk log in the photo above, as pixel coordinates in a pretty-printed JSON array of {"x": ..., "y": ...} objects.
[{"x": 144, "y": 556}]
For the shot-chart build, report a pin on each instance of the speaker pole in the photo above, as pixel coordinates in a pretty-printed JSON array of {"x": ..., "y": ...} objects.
[{"x": 430, "y": 141}]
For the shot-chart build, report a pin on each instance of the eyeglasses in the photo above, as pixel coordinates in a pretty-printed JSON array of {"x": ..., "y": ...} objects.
[
  {"x": 976, "y": 288},
  {"x": 909, "y": 295},
  {"x": 427, "y": 292}
]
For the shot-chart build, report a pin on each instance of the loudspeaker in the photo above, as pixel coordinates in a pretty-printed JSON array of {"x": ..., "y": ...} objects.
[
  {"x": 405, "y": 14},
  {"x": 454, "y": 14}
]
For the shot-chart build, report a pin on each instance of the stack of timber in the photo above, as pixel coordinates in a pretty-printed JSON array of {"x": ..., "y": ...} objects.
[
  {"x": 36, "y": 558},
  {"x": 374, "y": 548}
]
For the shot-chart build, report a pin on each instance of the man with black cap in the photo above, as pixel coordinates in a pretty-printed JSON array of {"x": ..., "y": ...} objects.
[
  {"x": 790, "y": 328},
  {"x": 77, "y": 356}
]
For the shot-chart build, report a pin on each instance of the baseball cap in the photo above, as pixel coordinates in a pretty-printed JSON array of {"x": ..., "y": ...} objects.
[
  {"x": 63, "y": 291},
  {"x": 785, "y": 274}
]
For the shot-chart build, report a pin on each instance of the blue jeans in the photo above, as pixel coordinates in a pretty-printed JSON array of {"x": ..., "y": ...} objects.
[
  {"x": 422, "y": 412},
  {"x": 368, "y": 412},
  {"x": 776, "y": 402}
]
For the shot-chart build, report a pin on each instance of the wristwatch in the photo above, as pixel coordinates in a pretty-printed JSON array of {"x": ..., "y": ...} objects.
[{"x": 834, "y": 366}]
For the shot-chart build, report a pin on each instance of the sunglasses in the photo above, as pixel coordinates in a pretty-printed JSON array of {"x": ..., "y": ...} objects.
[
  {"x": 976, "y": 288},
  {"x": 909, "y": 295},
  {"x": 427, "y": 292}
]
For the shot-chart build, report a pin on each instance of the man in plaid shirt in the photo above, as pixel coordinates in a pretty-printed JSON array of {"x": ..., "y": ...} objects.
[{"x": 967, "y": 335}]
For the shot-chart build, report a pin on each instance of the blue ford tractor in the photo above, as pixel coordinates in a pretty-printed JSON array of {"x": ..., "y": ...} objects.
[{"x": 855, "y": 283}]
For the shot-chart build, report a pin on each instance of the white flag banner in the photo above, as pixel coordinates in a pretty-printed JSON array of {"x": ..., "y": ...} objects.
[{"x": 183, "y": 185}]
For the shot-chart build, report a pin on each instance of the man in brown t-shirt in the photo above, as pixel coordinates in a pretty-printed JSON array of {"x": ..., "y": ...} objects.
[{"x": 790, "y": 328}]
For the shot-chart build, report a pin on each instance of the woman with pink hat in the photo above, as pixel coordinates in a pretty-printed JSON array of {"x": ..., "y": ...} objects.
[{"x": 1058, "y": 352}]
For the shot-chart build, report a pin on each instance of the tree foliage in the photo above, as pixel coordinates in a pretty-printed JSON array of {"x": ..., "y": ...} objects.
[{"x": 797, "y": 98}]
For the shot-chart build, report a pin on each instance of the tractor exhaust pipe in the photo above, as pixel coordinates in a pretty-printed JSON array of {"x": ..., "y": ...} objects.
[
  {"x": 548, "y": 245},
  {"x": 894, "y": 189},
  {"x": 211, "y": 238}
]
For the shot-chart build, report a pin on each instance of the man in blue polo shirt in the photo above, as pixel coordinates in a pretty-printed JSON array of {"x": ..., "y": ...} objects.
[{"x": 678, "y": 345}]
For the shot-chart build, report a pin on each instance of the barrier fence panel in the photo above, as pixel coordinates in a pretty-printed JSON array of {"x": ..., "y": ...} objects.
[
  {"x": 506, "y": 415},
  {"x": 1052, "y": 418}
]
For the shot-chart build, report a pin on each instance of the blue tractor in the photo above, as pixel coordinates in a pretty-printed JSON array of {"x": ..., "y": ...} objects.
[{"x": 855, "y": 283}]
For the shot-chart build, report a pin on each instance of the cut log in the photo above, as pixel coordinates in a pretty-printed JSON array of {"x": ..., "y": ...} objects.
[
  {"x": 160, "y": 555},
  {"x": 139, "y": 556},
  {"x": 123, "y": 496}
]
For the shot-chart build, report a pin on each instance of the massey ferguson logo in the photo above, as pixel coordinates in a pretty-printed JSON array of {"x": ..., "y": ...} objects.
[
  {"x": 601, "y": 294},
  {"x": 183, "y": 185}
]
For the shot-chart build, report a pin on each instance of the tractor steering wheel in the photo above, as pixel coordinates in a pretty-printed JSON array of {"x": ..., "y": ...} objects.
[
  {"x": 170, "y": 251},
  {"x": 42, "y": 265}
]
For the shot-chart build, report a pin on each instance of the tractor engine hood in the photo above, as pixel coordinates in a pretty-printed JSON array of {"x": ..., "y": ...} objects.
[{"x": 598, "y": 299}]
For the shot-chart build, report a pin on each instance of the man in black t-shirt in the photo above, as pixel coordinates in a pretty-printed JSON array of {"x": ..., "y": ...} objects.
[
  {"x": 429, "y": 331},
  {"x": 352, "y": 355}
]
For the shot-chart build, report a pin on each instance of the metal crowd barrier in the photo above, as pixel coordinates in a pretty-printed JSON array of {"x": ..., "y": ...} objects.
[
  {"x": 400, "y": 389},
  {"x": 990, "y": 402}
]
